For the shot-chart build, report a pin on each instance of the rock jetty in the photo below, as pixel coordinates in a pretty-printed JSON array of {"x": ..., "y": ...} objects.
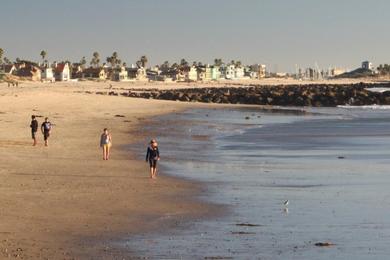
[{"x": 324, "y": 95}]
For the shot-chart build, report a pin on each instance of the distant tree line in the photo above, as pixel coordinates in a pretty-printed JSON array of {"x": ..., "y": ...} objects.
[
  {"x": 116, "y": 62},
  {"x": 384, "y": 69}
]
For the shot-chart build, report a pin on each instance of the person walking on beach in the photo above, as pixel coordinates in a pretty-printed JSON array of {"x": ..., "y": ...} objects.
[
  {"x": 105, "y": 144},
  {"x": 152, "y": 156},
  {"x": 46, "y": 130},
  {"x": 34, "y": 129}
]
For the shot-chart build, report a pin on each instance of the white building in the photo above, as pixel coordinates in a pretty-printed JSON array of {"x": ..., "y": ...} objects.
[
  {"x": 239, "y": 73},
  {"x": 229, "y": 72},
  {"x": 62, "y": 72},
  {"x": 47, "y": 74},
  {"x": 367, "y": 65}
]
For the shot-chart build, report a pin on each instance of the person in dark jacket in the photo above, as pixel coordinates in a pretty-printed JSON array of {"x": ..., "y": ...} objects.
[
  {"x": 34, "y": 129},
  {"x": 152, "y": 156},
  {"x": 46, "y": 128}
]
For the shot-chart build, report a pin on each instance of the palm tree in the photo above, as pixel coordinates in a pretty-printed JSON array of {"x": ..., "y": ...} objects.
[
  {"x": 1, "y": 54},
  {"x": 174, "y": 66},
  {"x": 144, "y": 60},
  {"x": 95, "y": 59},
  {"x": 83, "y": 61},
  {"x": 6, "y": 60},
  {"x": 165, "y": 65},
  {"x": 113, "y": 59},
  {"x": 218, "y": 62},
  {"x": 183, "y": 62},
  {"x": 43, "y": 54}
]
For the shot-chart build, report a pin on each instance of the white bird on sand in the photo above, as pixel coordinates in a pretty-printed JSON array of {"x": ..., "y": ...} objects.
[{"x": 286, "y": 203}]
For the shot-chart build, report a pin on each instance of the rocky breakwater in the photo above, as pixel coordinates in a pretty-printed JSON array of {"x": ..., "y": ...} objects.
[{"x": 323, "y": 95}]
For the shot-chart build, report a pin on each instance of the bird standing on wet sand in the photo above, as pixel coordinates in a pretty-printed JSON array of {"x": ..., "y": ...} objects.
[{"x": 286, "y": 203}]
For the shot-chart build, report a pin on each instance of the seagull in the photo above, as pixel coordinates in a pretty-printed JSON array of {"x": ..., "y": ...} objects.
[{"x": 286, "y": 203}]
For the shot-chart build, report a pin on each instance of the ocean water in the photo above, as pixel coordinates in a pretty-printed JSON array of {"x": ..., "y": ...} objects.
[{"x": 332, "y": 164}]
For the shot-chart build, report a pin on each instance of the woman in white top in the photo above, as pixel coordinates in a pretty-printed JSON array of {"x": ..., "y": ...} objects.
[{"x": 105, "y": 143}]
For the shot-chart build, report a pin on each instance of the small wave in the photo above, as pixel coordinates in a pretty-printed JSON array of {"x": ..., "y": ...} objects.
[
  {"x": 379, "y": 90},
  {"x": 373, "y": 107}
]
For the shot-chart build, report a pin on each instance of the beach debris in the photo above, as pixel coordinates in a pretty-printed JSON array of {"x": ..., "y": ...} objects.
[
  {"x": 324, "y": 244},
  {"x": 247, "y": 118},
  {"x": 243, "y": 233},
  {"x": 341, "y": 157},
  {"x": 119, "y": 116},
  {"x": 247, "y": 225}
]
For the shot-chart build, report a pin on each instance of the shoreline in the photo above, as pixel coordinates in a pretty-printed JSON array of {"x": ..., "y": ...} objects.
[{"x": 58, "y": 201}]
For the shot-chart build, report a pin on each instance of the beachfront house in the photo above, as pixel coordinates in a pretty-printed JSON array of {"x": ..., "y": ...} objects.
[
  {"x": 367, "y": 65},
  {"x": 29, "y": 71},
  {"x": 191, "y": 74},
  {"x": 142, "y": 74},
  {"x": 90, "y": 73},
  {"x": 229, "y": 71},
  {"x": 257, "y": 71},
  {"x": 137, "y": 73},
  {"x": 169, "y": 74},
  {"x": 47, "y": 74},
  {"x": 208, "y": 73},
  {"x": 62, "y": 71},
  {"x": 239, "y": 73},
  {"x": 120, "y": 74},
  {"x": 215, "y": 73},
  {"x": 187, "y": 74}
]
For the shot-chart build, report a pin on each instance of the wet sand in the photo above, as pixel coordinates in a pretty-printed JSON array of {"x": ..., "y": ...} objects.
[
  {"x": 330, "y": 163},
  {"x": 64, "y": 201}
]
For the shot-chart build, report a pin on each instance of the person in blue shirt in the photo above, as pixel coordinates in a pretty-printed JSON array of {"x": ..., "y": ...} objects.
[{"x": 152, "y": 156}]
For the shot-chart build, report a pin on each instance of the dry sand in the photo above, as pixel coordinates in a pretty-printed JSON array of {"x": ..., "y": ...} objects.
[{"x": 64, "y": 201}]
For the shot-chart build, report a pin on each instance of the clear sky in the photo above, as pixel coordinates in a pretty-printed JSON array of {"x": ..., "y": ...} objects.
[{"x": 279, "y": 33}]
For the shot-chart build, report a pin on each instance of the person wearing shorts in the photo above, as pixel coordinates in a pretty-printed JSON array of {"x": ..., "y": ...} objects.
[
  {"x": 46, "y": 130},
  {"x": 34, "y": 129},
  {"x": 152, "y": 156},
  {"x": 105, "y": 144}
]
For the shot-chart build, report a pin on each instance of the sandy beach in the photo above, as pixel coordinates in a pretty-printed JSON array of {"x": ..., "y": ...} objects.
[{"x": 64, "y": 201}]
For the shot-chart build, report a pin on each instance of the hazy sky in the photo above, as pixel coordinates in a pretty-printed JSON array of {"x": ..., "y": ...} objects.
[{"x": 279, "y": 33}]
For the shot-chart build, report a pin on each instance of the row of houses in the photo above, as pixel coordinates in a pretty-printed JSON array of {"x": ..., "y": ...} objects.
[
  {"x": 212, "y": 73},
  {"x": 35, "y": 72},
  {"x": 64, "y": 72}
]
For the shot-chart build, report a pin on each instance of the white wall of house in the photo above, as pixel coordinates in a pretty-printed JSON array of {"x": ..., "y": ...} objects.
[
  {"x": 229, "y": 72},
  {"x": 48, "y": 75},
  {"x": 192, "y": 74},
  {"x": 239, "y": 73}
]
